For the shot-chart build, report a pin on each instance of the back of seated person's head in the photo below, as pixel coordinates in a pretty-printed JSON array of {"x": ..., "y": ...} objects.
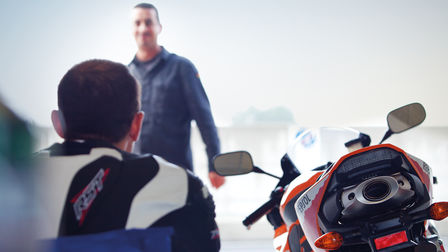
[{"x": 97, "y": 99}]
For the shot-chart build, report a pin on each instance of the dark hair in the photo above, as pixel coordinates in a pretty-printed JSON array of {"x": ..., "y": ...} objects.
[
  {"x": 98, "y": 99},
  {"x": 148, "y": 6}
]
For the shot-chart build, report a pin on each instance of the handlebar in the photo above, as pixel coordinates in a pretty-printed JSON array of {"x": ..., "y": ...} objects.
[
  {"x": 265, "y": 208},
  {"x": 260, "y": 212}
]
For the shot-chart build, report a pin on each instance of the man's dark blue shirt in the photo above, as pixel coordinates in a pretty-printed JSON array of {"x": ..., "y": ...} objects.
[{"x": 173, "y": 96}]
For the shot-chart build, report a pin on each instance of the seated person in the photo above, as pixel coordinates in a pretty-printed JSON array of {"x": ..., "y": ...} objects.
[{"x": 91, "y": 182}]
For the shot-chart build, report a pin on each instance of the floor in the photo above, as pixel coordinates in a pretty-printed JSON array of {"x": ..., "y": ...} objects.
[
  {"x": 247, "y": 246},
  {"x": 263, "y": 245}
]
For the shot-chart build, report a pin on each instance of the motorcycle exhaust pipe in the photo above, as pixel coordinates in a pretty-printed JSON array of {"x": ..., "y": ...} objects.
[
  {"x": 376, "y": 195},
  {"x": 377, "y": 190}
]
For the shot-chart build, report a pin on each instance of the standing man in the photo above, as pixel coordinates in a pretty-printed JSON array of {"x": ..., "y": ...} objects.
[{"x": 172, "y": 96}]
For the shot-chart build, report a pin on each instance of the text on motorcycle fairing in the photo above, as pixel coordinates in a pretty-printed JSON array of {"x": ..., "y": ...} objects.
[{"x": 303, "y": 203}]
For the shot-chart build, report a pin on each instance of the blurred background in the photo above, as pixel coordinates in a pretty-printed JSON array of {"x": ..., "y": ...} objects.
[{"x": 269, "y": 68}]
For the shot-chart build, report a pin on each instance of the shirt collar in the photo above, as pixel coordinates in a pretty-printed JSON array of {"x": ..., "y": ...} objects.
[{"x": 163, "y": 55}]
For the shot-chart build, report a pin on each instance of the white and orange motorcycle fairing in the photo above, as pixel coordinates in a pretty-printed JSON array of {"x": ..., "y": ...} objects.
[{"x": 351, "y": 171}]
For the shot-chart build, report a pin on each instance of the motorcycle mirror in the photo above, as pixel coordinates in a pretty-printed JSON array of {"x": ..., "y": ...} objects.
[
  {"x": 404, "y": 118},
  {"x": 233, "y": 163}
]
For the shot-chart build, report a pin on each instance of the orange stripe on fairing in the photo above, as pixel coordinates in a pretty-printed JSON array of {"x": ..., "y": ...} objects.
[
  {"x": 302, "y": 240},
  {"x": 300, "y": 188},
  {"x": 280, "y": 230},
  {"x": 286, "y": 248},
  {"x": 297, "y": 222}
]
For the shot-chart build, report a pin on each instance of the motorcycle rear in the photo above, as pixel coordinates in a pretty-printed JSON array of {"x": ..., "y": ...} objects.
[{"x": 337, "y": 193}]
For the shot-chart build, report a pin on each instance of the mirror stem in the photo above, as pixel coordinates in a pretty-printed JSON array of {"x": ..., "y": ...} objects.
[
  {"x": 387, "y": 135},
  {"x": 258, "y": 170}
]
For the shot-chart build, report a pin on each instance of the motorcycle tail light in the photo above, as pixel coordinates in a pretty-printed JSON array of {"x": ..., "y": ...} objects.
[
  {"x": 438, "y": 211},
  {"x": 390, "y": 240},
  {"x": 329, "y": 241}
]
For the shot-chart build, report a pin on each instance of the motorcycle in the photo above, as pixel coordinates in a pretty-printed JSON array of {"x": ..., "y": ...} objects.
[{"x": 355, "y": 197}]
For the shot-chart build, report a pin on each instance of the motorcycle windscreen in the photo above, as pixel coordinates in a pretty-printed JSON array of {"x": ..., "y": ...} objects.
[{"x": 317, "y": 146}]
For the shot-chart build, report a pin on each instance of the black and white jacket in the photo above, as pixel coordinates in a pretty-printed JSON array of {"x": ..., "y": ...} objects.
[{"x": 91, "y": 187}]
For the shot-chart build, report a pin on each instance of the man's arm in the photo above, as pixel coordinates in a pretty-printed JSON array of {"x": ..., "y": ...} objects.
[{"x": 199, "y": 107}]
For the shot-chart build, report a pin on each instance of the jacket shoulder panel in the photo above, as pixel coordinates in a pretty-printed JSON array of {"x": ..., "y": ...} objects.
[{"x": 166, "y": 192}]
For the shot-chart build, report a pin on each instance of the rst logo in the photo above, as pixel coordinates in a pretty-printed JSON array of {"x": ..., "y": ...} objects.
[
  {"x": 303, "y": 202},
  {"x": 84, "y": 199}
]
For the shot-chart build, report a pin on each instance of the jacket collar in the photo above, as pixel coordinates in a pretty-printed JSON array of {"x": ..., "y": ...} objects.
[{"x": 79, "y": 147}]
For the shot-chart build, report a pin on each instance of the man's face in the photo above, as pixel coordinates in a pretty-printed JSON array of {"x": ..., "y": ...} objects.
[{"x": 146, "y": 28}]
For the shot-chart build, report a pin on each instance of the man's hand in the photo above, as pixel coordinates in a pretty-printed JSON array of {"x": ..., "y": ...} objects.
[{"x": 216, "y": 180}]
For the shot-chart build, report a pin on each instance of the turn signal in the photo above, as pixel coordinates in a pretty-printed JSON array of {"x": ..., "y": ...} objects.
[
  {"x": 329, "y": 241},
  {"x": 438, "y": 211}
]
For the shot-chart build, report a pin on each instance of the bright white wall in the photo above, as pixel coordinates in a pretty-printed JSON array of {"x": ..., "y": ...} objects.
[{"x": 329, "y": 62}]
